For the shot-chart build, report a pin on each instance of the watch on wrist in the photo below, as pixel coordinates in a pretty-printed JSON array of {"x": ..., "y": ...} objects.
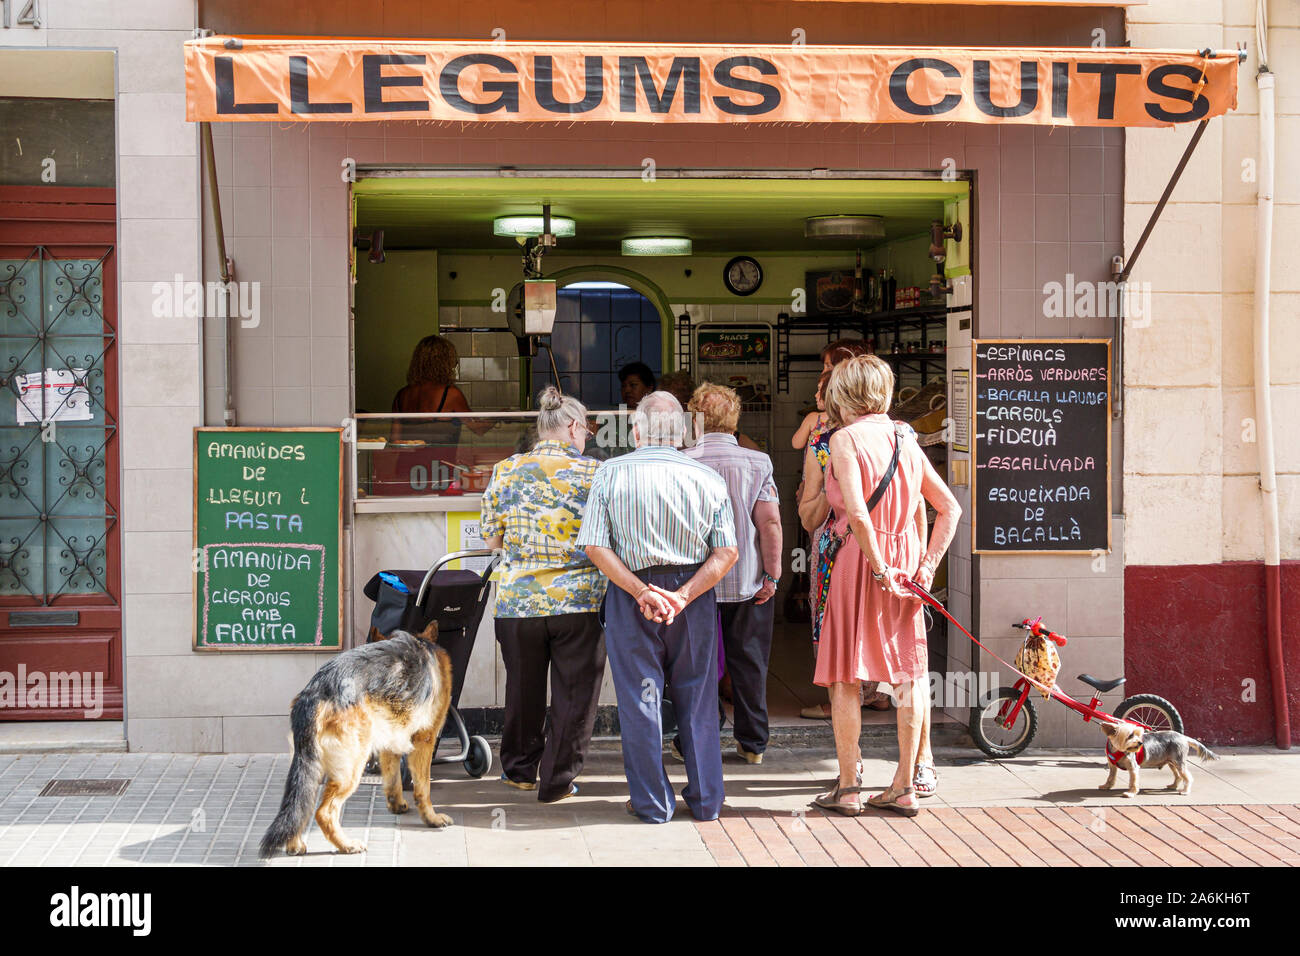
[{"x": 882, "y": 575}]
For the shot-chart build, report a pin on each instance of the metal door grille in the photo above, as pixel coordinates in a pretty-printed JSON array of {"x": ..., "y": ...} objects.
[{"x": 58, "y": 507}]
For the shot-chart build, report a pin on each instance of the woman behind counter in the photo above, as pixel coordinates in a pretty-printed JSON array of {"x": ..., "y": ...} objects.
[
  {"x": 431, "y": 388},
  {"x": 431, "y": 379},
  {"x": 547, "y": 602}
]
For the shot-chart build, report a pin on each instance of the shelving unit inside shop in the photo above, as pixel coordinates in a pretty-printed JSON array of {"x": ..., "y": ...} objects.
[
  {"x": 914, "y": 342},
  {"x": 892, "y": 332}
]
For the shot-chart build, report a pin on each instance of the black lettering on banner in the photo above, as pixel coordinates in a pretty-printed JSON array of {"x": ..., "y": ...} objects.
[
  {"x": 374, "y": 82},
  {"x": 903, "y": 72},
  {"x": 633, "y": 68},
  {"x": 1060, "y": 90},
  {"x": 1028, "y": 90},
  {"x": 449, "y": 84},
  {"x": 1200, "y": 105},
  {"x": 224, "y": 78},
  {"x": 544, "y": 70},
  {"x": 300, "y": 96},
  {"x": 1106, "y": 93},
  {"x": 723, "y": 75}
]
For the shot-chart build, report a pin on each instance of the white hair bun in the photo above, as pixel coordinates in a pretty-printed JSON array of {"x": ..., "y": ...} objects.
[{"x": 550, "y": 399}]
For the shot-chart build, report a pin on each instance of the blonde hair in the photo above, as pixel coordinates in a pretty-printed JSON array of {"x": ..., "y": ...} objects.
[
  {"x": 862, "y": 385},
  {"x": 434, "y": 360},
  {"x": 556, "y": 412},
  {"x": 717, "y": 406}
]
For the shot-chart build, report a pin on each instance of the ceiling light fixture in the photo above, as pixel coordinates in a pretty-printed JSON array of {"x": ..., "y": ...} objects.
[
  {"x": 657, "y": 246},
  {"x": 525, "y": 227},
  {"x": 844, "y": 227}
]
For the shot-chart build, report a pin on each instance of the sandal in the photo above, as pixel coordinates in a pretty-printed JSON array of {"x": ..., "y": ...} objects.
[
  {"x": 831, "y": 801},
  {"x": 889, "y": 801},
  {"x": 857, "y": 776},
  {"x": 925, "y": 781}
]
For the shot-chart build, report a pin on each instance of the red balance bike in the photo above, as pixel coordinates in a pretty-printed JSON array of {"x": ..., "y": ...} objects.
[{"x": 1006, "y": 725}]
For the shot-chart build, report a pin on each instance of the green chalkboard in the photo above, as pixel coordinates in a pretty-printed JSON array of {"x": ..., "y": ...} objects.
[{"x": 268, "y": 539}]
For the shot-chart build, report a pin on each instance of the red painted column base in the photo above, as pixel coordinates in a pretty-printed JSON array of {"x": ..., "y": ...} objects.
[{"x": 1198, "y": 635}]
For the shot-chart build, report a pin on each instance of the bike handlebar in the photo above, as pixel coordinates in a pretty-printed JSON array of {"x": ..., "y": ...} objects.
[{"x": 1038, "y": 629}]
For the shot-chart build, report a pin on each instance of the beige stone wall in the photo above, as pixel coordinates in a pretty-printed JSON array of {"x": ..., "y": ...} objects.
[{"x": 1191, "y": 490}]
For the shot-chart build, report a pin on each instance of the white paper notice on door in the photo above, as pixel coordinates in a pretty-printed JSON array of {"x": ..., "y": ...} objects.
[{"x": 55, "y": 395}]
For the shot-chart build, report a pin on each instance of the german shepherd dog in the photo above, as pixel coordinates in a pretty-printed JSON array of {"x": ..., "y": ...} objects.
[{"x": 389, "y": 697}]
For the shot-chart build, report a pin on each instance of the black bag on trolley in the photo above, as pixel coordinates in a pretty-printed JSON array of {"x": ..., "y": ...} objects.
[{"x": 456, "y": 599}]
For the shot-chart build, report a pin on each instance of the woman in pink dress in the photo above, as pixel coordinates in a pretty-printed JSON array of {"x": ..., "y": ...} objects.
[{"x": 872, "y": 627}]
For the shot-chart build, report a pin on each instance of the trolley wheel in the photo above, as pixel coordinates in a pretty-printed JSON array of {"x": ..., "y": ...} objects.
[
  {"x": 992, "y": 737},
  {"x": 479, "y": 760},
  {"x": 1156, "y": 712}
]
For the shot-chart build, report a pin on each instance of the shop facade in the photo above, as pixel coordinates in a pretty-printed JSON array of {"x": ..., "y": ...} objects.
[{"x": 1045, "y": 210}]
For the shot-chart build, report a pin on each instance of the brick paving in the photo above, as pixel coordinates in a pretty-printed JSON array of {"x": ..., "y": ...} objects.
[
  {"x": 991, "y": 836},
  {"x": 1039, "y": 810}
]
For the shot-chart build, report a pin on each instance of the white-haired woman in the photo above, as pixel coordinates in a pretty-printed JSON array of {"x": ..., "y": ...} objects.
[
  {"x": 872, "y": 628},
  {"x": 548, "y": 600}
]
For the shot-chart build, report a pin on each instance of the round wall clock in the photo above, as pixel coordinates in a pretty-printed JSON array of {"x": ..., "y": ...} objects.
[{"x": 743, "y": 275}]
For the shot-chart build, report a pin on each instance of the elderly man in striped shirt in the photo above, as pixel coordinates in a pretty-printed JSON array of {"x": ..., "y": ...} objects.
[
  {"x": 659, "y": 525},
  {"x": 744, "y": 596}
]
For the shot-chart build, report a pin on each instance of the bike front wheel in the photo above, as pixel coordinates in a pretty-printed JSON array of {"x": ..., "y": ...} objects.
[
  {"x": 988, "y": 725},
  {"x": 1155, "y": 712}
]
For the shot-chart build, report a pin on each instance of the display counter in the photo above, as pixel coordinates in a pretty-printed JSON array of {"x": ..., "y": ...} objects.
[
  {"x": 417, "y": 484},
  {"x": 415, "y": 462}
]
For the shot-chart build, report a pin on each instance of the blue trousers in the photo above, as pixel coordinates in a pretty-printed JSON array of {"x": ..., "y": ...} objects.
[{"x": 643, "y": 656}]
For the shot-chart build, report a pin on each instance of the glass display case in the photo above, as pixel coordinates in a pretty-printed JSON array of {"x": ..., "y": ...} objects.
[{"x": 403, "y": 459}]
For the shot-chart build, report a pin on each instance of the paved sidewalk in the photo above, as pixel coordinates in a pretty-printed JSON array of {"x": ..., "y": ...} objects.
[{"x": 1042, "y": 808}]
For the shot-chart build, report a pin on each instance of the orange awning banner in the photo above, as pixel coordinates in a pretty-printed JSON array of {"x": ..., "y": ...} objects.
[{"x": 283, "y": 79}]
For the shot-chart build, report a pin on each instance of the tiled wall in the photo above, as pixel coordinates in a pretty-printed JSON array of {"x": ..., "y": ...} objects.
[
  {"x": 284, "y": 208},
  {"x": 489, "y": 361}
]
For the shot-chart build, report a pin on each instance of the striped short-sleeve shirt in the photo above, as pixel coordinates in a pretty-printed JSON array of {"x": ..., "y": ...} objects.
[{"x": 655, "y": 506}]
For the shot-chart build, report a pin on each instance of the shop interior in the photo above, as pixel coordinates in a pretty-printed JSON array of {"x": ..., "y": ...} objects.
[{"x": 740, "y": 281}]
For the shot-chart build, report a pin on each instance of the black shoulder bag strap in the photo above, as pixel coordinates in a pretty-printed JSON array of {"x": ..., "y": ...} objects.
[{"x": 889, "y": 473}]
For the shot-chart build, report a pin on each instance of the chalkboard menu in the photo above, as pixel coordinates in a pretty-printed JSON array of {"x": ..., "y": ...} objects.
[
  {"x": 268, "y": 539},
  {"x": 1040, "y": 477}
]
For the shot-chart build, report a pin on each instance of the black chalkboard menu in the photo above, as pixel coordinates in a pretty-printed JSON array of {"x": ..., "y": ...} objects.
[
  {"x": 268, "y": 539},
  {"x": 1040, "y": 469}
]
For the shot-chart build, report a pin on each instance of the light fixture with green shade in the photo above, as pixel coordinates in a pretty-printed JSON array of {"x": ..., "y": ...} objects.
[
  {"x": 525, "y": 227},
  {"x": 853, "y": 226},
  {"x": 657, "y": 246}
]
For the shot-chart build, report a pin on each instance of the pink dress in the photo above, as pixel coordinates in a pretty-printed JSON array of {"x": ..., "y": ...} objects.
[{"x": 867, "y": 633}]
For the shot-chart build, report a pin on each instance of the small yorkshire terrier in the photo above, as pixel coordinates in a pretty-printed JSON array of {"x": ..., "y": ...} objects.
[{"x": 1131, "y": 746}]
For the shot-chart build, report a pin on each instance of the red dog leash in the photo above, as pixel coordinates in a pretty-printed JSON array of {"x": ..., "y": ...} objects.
[{"x": 1060, "y": 695}]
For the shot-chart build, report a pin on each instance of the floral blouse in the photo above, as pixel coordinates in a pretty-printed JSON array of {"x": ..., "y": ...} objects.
[
  {"x": 819, "y": 440},
  {"x": 535, "y": 501}
]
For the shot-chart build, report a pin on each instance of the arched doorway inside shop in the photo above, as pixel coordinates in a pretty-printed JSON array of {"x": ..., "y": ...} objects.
[{"x": 606, "y": 318}]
